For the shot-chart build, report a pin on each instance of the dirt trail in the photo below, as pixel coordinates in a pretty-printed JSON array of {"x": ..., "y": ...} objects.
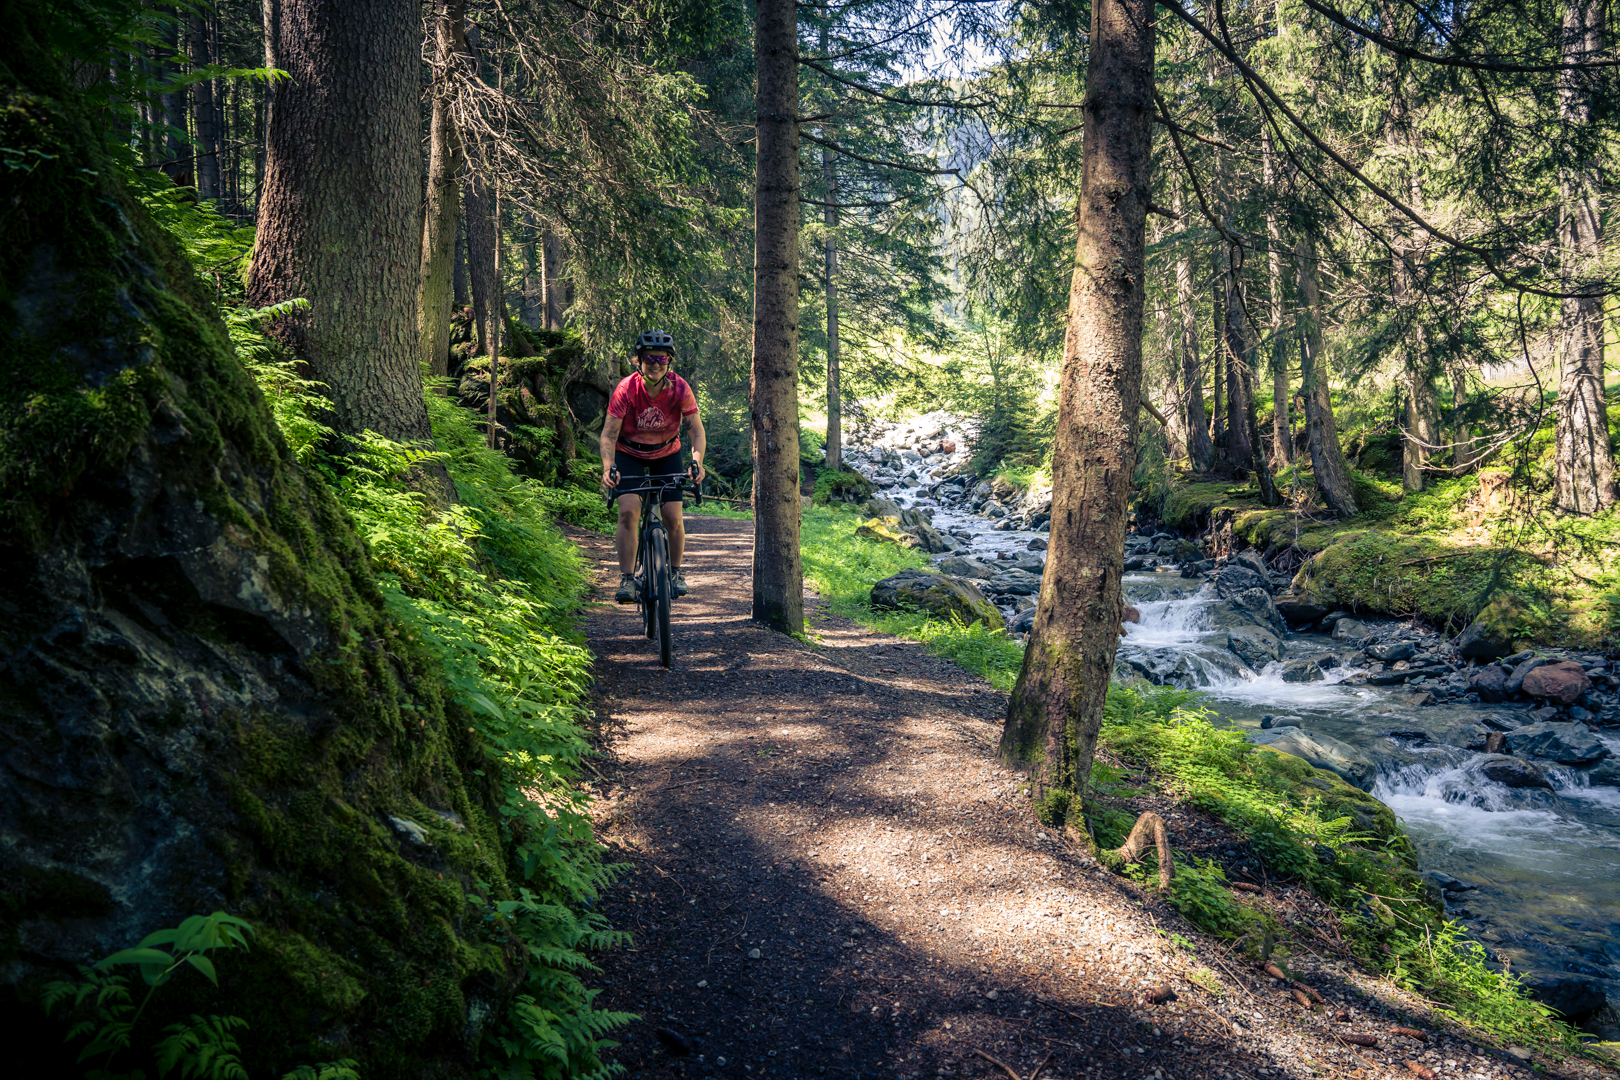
[{"x": 831, "y": 876}]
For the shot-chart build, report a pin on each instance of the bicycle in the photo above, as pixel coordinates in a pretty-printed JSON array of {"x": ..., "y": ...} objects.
[{"x": 655, "y": 587}]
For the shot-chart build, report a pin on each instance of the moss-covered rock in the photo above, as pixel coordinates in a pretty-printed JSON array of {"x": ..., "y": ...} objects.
[
  {"x": 940, "y": 595},
  {"x": 203, "y": 704},
  {"x": 1336, "y": 797}
]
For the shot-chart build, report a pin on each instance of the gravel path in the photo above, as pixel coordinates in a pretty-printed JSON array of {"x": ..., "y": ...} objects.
[{"x": 829, "y": 875}]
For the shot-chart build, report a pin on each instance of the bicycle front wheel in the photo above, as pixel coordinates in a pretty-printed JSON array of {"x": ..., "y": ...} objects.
[{"x": 658, "y": 575}]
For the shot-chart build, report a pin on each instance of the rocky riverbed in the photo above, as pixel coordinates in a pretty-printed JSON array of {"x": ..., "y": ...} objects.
[{"x": 1505, "y": 769}]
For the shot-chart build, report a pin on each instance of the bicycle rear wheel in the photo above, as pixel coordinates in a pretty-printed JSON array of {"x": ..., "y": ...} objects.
[{"x": 658, "y": 576}]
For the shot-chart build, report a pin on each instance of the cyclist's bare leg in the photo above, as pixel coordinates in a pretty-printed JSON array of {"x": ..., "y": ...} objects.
[
  {"x": 625, "y": 534},
  {"x": 675, "y": 525}
]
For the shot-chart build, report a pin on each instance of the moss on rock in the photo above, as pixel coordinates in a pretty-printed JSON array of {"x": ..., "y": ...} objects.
[{"x": 205, "y": 704}]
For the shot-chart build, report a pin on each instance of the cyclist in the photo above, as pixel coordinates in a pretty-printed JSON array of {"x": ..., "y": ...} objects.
[{"x": 642, "y": 437}]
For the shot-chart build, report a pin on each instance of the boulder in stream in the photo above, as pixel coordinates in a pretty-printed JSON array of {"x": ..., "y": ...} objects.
[
  {"x": 1255, "y": 646},
  {"x": 1299, "y": 610},
  {"x": 1516, "y": 679},
  {"x": 1338, "y": 797},
  {"x": 1301, "y": 671},
  {"x": 957, "y": 566},
  {"x": 1322, "y": 751},
  {"x": 940, "y": 595},
  {"x": 1567, "y": 744},
  {"x": 1563, "y": 682},
  {"x": 1252, "y": 607},
  {"x": 1513, "y": 773},
  {"x": 1013, "y": 582},
  {"x": 1349, "y": 631},
  {"x": 1606, "y": 774},
  {"x": 1489, "y": 683},
  {"x": 1235, "y": 578},
  {"x": 1391, "y": 651}
]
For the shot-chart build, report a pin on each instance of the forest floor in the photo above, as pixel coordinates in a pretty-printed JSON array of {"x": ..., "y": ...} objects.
[{"x": 828, "y": 874}]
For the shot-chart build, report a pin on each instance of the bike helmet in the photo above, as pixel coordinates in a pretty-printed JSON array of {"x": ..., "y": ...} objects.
[{"x": 654, "y": 339}]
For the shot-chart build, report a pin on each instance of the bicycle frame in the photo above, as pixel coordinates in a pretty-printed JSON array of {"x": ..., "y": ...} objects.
[{"x": 652, "y": 572}]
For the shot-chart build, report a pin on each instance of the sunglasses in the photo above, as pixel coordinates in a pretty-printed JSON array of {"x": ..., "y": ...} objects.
[{"x": 648, "y": 359}]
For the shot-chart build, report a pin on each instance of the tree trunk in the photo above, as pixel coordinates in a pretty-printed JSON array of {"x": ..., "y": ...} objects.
[
  {"x": 1282, "y": 426},
  {"x": 1217, "y": 374},
  {"x": 1057, "y": 705},
  {"x": 1327, "y": 457},
  {"x": 497, "y": 319},
  {"x": 204, "y": 113},
  {"x": 1583, "y": 461},
  {"x": 458, "y": 276},
  {"x": 829, "y": 183},
  {"x": 1462, "y": 449},
  {"x": 534, "y": 284},
  {"x": 443, "y": 201},
  {"x": 1240, "y": 449},
  {"x": 481, "y": 240},
  {"x": 552, "y": 270},
  {"x": 173, "y": 104},
  {"x": 1200, "y": 450},
  {"x": 773, "y": 393},
  {"x": 338, "y": 218}
]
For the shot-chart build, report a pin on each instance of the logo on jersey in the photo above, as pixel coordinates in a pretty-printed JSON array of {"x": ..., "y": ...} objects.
[{"x": 651, "y": 418}]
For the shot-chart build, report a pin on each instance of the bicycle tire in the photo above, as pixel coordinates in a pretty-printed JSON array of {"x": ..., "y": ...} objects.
[{"x": 661, "y": 595}]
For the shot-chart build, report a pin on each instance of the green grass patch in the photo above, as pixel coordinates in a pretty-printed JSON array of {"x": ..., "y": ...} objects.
[
  {"x": 1312, "y": 828},
  {"x": 843, "y": 568}
]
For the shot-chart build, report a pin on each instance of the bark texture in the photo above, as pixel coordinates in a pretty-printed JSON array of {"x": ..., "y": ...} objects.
[
  {"x": 773, "y": 396},
  {"x": 1583, "y": 461},
  {"x": 1282, "y": 427},
  {"x": 436, "y": 287},
  {"x": 552, "y": 273},
  {"x": 1056, "y": 707},
  {"x": 481, "y": 239},
  {"x": 1328, "y": 465},
  {"x": 339, "y": 220}
]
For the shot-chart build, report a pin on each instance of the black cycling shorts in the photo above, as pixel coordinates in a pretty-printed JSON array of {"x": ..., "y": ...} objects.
[{"x": 632, "y": 469}]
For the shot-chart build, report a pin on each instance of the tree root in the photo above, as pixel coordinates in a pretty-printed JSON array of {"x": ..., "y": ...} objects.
[{"x": 1136, "y": 845}]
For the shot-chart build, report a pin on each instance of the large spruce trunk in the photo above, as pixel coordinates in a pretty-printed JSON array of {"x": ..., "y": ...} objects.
[
  {"x": 773, "y": 393},
  {"x": 1327, "y": 457},
  {"x": 204, "y": 703},
  {"x": 436, "y": 272},
  {"x": 203, "y": 112},
  {"x": 1056, "y": 707},
  {"x": 1583, "y": 462},
  {"x": 1282, "y": 428},
  {"x": 339, "y": 217}
]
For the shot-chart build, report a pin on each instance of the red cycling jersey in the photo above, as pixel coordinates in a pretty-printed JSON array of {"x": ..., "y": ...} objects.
[{"x": 650, "y": 420}]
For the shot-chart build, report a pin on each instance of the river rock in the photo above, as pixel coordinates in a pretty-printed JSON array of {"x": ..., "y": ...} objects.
[
  {"x": 1253, "y": 561},
  {"x": 1563, "y": 682},
  {"x": 940, "y": 595},
  {"x": 1605, "y": 773},
  {"x": 1301, "y": 671},
  {"x": 1298, "y": 610},
  {"x": 879, "y": 507},
  {"x": 1029, "y": 562},
  {"x": 957, "y": 566},
  {"x": 1484, "y": 641},
  {"x": 1516, "y": 678},
  {"x": 1349, "y": 631},
  {"x": 1252, "y": 607},
  {"x": 1513, "y": 773},
  {"x": 1235, "y": 578},
  {"x": 1013, "y": 582},
  {"x": 930, "y": 540},
  {"x": 1254, "y": 645},
  {"x": 1567, "y": 744},
  {"x": 1322, "y": 751},
  {"x": 1037, "y": 544},
  {"x": 1391, "y": 651},
  {"x": 1023, "y": 622},
  {"x": 1489, "y": 683},
  {"x": 1572, "y": 996},
  {"x": 1137, "y": 562}
]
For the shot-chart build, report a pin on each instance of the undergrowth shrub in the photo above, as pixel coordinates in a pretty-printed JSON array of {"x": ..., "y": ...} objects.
[{"x": 1367, "y": 877}]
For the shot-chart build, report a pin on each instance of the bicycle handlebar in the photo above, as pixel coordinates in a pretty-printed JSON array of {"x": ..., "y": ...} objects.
[{"x": 657, "y": 483}]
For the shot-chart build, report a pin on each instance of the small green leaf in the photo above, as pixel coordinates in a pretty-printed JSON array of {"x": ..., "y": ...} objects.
[{"x": 204, "y": 965}]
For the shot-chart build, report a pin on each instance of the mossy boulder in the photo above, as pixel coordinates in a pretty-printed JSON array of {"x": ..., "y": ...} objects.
[
  {"x": 940, "y": 595},
  {"x": 886, "y": 530},
  {"x": 1334, "y": 795},
  {"x": 203, "y": 701},
  {"x": 841, "y": 486}
]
